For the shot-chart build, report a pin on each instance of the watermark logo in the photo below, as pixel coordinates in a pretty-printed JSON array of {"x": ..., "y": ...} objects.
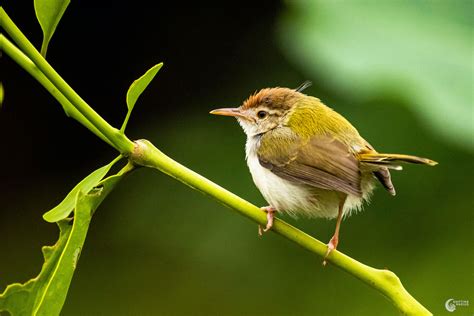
[{"x": 451, "y": 304}]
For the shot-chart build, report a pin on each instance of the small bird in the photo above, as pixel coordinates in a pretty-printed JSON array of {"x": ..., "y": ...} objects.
[{"x": 306, "y": 159}]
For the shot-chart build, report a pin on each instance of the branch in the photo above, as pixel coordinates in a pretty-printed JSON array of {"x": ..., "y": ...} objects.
[{"x": 385, "y": 281}]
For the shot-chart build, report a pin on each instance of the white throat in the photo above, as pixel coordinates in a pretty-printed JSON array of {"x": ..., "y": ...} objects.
[{"x": 249, "y": 128}]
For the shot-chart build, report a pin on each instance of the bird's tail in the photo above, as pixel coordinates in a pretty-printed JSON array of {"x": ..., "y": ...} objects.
[
  {"x": 383, "y": 162},
  {"x": 392, "y": 161}
]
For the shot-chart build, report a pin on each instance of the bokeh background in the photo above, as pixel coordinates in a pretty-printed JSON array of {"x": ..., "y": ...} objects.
[{"x": 400, "y": 71}]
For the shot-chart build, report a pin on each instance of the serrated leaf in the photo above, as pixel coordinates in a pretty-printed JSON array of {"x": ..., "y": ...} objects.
[
  {"x": 46, "y": 293},
  {"x": 20, "y": 299},
  {"x": 63, "y": 209},
  {"x": 137, "y": 88},
  {"x": 49, "y": 13}
]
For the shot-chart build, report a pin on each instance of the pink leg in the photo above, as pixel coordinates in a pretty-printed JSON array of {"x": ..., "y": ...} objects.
[
  {"x": 270, "y": 211},
  {"x": 332, "y": 245}
]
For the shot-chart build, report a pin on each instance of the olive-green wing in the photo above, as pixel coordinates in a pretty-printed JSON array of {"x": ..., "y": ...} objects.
[{"x": 320, "y": 161}]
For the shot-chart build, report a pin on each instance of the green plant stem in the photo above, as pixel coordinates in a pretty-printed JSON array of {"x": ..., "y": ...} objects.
[
  {"x": 385, "y": 281},
  {"x": 118, "y": 139},
  {"x": 24, "y": 62},
  {"x": 125, "y": 121},
  {"x": 129, "y": 167}
]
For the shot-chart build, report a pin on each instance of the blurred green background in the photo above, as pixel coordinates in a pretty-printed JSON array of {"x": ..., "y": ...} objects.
[{"x": 400, "y": 71}]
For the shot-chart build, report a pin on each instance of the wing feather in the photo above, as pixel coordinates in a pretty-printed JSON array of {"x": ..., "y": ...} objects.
[{"x": 319, "y": 161}]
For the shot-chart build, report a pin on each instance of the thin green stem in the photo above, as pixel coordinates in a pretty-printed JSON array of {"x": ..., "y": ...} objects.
[
  {"x": 129, "y": 167},
  {"x": 386, "y": 282},
  {"x": 125, "y": 121},
  {"x": 23, "y": 61},
  {"x": 44, "y": 48},
  {"x": 119, "y": 140}
]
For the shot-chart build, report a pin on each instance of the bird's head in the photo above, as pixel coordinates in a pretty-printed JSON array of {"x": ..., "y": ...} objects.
[{"x": 265, "y": 110}]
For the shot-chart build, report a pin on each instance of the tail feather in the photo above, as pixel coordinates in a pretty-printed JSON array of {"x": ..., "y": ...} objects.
[
  {"x": 393, "y": 159},
  {"x": 383, "y": 175},
  {"x": 384, "y": 162}
]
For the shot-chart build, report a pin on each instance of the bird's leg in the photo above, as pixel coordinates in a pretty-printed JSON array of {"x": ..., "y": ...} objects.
[
  {"x": 332, "y": 244},
  {"x": 269, "y": 210}
]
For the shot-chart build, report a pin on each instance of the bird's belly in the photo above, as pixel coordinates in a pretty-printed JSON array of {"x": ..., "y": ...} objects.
[{"x": 292, "y": 198}]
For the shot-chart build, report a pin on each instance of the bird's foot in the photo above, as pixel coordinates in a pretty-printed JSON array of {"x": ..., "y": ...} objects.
[
  {"x": 332, "y": 245},
  {"x": 270, "y": 211}
]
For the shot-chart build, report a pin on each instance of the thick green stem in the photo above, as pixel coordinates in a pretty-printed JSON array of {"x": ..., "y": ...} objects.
[
  {"x": 119, "y": 140},
  {"x": 385, "y": 281},
  {"x": 24, "y": 62}
]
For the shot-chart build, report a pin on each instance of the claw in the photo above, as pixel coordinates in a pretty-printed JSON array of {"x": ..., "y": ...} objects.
[
  {"x": 332, "y": 245},
  {"x": 270, "y": 211}
]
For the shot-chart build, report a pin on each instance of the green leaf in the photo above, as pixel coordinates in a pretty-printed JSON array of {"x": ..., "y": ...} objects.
[
  {"x": 46, "y": 293},
  {"x": 139, "y": 85},
  {"x": 20, "y": 299},
  {"x": 49, "y": 12},
  {"x": 137, "y": 88},
  {"x": 63, "y": 209},
  {"x": 419, "y": 50}
]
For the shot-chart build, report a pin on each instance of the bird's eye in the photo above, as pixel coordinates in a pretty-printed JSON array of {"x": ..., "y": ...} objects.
[{"x": 262, "y": 114}]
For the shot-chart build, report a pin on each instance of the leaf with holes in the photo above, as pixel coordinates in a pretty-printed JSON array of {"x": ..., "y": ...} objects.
[{"x": 46, "y": 293}]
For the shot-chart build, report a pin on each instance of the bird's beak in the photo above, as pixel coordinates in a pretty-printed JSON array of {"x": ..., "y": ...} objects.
[{"x": 230, "y": 112}]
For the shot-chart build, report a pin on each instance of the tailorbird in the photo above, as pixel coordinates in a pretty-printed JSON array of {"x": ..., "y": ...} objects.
[{"x": 306, "y": 159}]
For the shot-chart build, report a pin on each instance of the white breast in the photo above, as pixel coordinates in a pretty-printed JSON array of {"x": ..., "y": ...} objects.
[{"x": 284, "y": 195}]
